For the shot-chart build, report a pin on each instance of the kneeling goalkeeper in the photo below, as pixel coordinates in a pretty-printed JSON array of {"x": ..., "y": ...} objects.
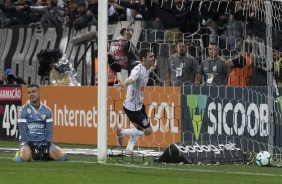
[{"x": 35, "y": 124}]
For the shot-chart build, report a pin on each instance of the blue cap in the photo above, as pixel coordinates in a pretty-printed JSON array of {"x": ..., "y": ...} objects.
[{"x": 8, "y": 71}]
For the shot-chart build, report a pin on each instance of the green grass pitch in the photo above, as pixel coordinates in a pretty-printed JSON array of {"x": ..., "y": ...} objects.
[{"x": 85, "y": 169}]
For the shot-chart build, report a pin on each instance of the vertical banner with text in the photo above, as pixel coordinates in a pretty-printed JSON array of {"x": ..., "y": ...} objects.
[{"x": 10, "y": 102}]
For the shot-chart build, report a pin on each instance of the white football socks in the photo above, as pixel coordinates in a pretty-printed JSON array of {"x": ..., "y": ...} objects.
[
  {"x": 134, "y": 135},
  {"x": 131, "y": 142},
  {"x": 132, "y": 131}
]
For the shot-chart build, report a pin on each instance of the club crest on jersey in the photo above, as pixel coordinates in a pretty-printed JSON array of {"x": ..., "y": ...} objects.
[
  {"x": 43, "y": 116},
  {"x": 145, "y": 122},
  {"x": 28, "y": 110}
]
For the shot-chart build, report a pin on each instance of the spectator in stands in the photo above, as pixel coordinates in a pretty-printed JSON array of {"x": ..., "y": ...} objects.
[
  {"x": 212, "y": 71},
  {"x": 261, "y": 73},
  {"x": 36, "y": 16},
  {"x": 93, "y": 7},
  {"x": 241, "y": 66},
  {"x": 152, "y": 24},
  {"x": 277, "y": 23},
  {"x": 187, "y": 17},
  {"x": 72, "y": 14},
  {"x": 125, "y": 13},
  {"x": 135, "y": 15},
  {"x": 121, "y": 50},
  {"x": 217, "y": 17},
  {"x": 17, "y": 13},
  {"x": 277, "y": 58},
  {"x": 118, "y": 49},
  {"x": 145, "y": 7},
  {"x": 253, "y": 16},
  {"x": 40, "y": 3},
  {"x": 132, "y": 14},
  {"x": 112, "y": 69},
  {"x": 9, "y": 77},
  {"x": 35, "y": 123},
  {"x": 182, "y": 67},
  {"x": 53, "y": 14},
  {"x": 3, "y": 19},
  {"x": 22, "y": 16},
  {"x": 5, "y": 16},
  {"x": 85, "y": 18},
  {"x": 236, "y": 35},
  {"x": 152, "y": 31},
  {"x": 113, "y": 15},
  {"x": 66, "y": 13}
]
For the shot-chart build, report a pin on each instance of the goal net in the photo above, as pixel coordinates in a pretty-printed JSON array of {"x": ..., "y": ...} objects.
[{"x": 204, "y": 123}]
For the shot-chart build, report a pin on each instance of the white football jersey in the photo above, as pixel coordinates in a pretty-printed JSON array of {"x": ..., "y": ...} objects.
[{"x": 135, "y": 91}]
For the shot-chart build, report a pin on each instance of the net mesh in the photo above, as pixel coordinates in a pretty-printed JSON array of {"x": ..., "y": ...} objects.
[{"x": 248, "y": 117}]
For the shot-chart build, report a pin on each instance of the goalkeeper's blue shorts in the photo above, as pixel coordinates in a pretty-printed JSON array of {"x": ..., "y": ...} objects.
[{"x": 39, "y": 144}]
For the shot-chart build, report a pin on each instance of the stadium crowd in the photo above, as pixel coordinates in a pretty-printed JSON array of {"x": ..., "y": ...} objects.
[{"x": 227, "y": 23}]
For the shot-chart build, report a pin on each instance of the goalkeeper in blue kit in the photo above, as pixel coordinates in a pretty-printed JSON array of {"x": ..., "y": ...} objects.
[{"x": 35, "y": 124}]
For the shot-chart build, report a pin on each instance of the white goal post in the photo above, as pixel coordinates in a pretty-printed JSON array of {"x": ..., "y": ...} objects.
[{"x": 102, "y": 75}]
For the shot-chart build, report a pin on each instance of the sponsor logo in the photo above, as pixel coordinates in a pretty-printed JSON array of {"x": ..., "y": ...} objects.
[
  {"x": 197, "y": 105},
  {"x": 36, "y": 126},
  {"x": 228, "y": 118},
  {"x": 43, "y": 116},
  {"x": 197, "y": 148},
  {"x": 10, "y": 93}
]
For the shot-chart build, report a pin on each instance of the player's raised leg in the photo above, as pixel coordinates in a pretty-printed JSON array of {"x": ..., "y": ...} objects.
[{"x": 134, "y": 135}]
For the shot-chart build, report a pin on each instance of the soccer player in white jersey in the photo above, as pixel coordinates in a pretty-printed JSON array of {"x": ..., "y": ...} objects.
[
  {"x": 133, "y": 105},
  {"x": 35, "y": 124}
]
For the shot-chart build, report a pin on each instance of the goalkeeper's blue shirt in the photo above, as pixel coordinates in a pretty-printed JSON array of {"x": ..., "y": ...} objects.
[{"x": 35, "y": 123}]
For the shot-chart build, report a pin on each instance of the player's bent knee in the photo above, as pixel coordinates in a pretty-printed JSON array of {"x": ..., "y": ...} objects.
[
  {"x": 25, "y": 154},
  {"x": 148, "y": 131}
]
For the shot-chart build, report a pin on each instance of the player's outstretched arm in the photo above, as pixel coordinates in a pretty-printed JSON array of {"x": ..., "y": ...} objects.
[{"x": 124, "y": 84}]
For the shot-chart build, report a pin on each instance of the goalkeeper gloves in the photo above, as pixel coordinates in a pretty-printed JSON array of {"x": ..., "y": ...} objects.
[
  {"x": 35, "y": 150},
  {"x": 44, "y": 154}
]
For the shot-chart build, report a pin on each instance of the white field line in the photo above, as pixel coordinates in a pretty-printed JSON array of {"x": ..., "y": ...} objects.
[{"x": 167, "y": 168}]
